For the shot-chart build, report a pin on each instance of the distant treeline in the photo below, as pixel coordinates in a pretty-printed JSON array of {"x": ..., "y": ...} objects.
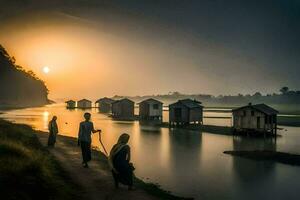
[
  {"x": 19, "y": 88},
  {"x": 287, "y": 101}
]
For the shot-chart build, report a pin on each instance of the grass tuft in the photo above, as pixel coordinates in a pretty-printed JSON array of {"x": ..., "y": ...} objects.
[{"x": 27, "y": 170}]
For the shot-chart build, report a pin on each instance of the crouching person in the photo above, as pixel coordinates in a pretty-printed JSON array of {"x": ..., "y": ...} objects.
[
  {"x": 86, "y": 128},
  {"x": 119, "y": 161}
]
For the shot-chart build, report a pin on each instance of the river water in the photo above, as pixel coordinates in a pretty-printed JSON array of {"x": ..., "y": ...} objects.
[{"x": 188, "y": 163}]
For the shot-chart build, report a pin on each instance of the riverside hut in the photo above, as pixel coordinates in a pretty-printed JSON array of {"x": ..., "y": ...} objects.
[
  {"x": 151, "y": 109},
  {"x": 71, "y": 104},
  {"x": 186, "y": 111},
  {"x": 84, "y": 103},
  {"x": 123, "y": 109},
  {"x": 104, "y": 104},
  {"x": 258, "y": 118}
]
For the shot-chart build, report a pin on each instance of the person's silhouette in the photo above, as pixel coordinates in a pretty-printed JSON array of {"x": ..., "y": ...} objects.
[
  {"x": 53, "y": 130},
  {"x": 119, "y": 160},
  {"x": 86, "y": 128}
]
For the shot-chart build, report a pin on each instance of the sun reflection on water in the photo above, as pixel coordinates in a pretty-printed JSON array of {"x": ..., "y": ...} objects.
[{"x": 45, "y": 120}]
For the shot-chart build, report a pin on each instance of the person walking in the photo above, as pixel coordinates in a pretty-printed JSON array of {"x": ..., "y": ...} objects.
[
  {"x": 53, "y": 130},
  {"x": 119, "y": 161},
  {"x": 86, "y": 128}
]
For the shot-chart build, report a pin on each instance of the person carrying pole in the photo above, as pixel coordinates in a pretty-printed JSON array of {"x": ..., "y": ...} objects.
[
  {"x": 101, "y": 143},
  {"x": 86, "y": 128}
]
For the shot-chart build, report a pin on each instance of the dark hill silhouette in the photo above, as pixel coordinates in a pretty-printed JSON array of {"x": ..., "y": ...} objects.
[{"x": 19, "y": 88}]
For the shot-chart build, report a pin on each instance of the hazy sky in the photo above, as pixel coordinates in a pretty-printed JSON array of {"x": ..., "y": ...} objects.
[{"x": 102, "y": 48}]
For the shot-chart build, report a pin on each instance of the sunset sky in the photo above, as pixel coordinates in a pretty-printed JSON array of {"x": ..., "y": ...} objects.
[{"x": 102, "y": 48}]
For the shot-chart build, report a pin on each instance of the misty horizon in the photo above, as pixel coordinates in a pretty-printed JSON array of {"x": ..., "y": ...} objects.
[
  {"x": 149, "y": 99},
  {"x": 106, "y": 48}
]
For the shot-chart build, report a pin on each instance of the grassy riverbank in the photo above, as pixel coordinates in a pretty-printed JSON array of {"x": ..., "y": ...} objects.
[
  {"x": 27, "y": 170},
  {"x": 101, "y": 159},
  {"x": 281, "y": 157}
]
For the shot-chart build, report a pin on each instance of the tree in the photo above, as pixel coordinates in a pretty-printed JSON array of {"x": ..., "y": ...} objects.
[
  {"x": 284, "y": 90},
  {"x": 176, "y": 93},
  {"x": 257, "y": 94}
]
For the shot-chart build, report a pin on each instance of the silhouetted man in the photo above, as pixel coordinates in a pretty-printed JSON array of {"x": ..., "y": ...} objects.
[
  {"x": 53, "y": 131},
  {"x": 86, "y": 128}
]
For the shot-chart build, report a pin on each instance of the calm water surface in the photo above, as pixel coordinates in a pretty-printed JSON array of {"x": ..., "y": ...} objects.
[{"x": 188, "y": 163}]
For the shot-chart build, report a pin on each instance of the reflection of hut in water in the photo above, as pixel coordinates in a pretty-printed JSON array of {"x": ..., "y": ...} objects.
[
  {"x": 185, "y": 112},
  {"x": 252, "y": 171},
  {"x": 71, "y": 104},
  {"x": 123, "y": 109},
  {"x": 149, "y": 128},
  {"x": 258, "y": 118},
  {"x": 84, "y": 103},
  {"x": 185, "y": 151},
  {"x": 248, "y": 143},
  {"x": 104, "y": 104},
  {"x": 151, "y": 109}
]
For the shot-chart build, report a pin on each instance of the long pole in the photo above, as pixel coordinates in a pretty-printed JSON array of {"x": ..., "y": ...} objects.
[{"x": 100, "y": 140}]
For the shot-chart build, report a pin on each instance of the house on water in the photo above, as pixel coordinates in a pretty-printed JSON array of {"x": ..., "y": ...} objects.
[
  {"x": 258, "y": 118},
  {"x": 151, "y": 109},
  {"x": 71, "y": 104},
  {"x": 84, "y": 103},
  {"x": 104, "y": 104},
  {"x": 123, "y": 109},
  {"x": 186, "y": 111}
]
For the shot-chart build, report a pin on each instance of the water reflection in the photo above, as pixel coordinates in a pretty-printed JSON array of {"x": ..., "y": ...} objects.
[
  {"x": 188, "y": 163},
  {"x": 149, "y": 128},
  {"x": 45, "y": 119},
  {"x": 243, "y": 168},
  {"x": 248, "y": 143},
  {"x": 184, "y": 152},
  {"x": 254, "y": 179}
]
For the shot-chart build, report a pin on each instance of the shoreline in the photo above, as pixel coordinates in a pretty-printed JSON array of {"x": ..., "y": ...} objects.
[
  {"x": 213, "y": 129},
  {"x": 34, "y": 167},
  {"x": 64, "y": 153},
  {"x": 8, "y": 108},
  {"x": 274, "y": 156},
  {"x": 151, "y": 188},
  {"x": 221, "y": 130}
]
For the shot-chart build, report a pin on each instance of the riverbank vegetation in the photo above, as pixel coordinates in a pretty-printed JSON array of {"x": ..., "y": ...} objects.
[
  {"x": 281, "y": 157},
  {"x": 286, "y": 101},
  {"x": 19, "y": 88},
  {"x": 27, "y": 169}
]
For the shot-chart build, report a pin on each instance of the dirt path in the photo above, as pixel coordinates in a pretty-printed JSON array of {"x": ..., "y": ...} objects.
[{"x": 96, "y": 180}]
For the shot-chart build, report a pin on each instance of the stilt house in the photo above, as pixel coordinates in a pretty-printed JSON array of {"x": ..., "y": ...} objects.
[
  {"x": 151, "y": 109},
  {"x": 71, "y": 104},
  {"x": 186, "y": 111},
  {"x": 84, "y": 104},
  {"x": 123, "y": 109},
  {"x": 104, "y": 104},
  {"x": 255, "y": 118}
]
